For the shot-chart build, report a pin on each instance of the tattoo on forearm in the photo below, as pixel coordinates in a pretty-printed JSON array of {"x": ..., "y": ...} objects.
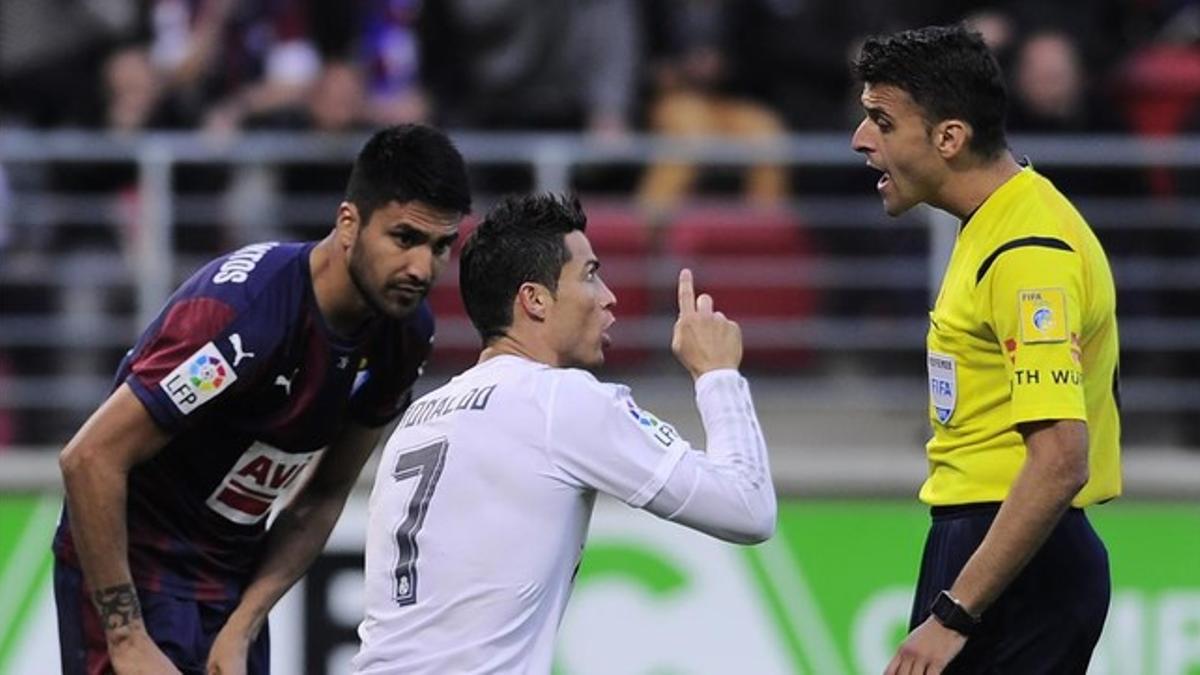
[{"x": 118, "y": 606}]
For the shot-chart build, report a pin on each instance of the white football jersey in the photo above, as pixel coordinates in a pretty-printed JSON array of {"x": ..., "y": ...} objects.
[{"x": 481, "y": 506}]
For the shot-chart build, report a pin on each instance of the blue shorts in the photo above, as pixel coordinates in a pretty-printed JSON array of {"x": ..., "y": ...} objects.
[
  {"x": 1049, "y": 618},
  {"x": 184, "y": 629}
]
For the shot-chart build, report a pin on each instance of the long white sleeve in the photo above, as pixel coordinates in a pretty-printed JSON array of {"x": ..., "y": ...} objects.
[
  {"x": 726, "y": 492},
  {"x": 599, "y": 438}
]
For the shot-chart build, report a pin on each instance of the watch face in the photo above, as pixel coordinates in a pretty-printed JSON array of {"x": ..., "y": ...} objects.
[{"x": 951, "y": 614}]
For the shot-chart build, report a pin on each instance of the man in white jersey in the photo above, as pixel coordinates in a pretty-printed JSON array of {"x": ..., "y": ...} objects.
[{"x": 484, "y": 493}]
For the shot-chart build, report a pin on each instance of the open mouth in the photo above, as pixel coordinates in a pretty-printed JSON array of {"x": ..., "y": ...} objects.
[
  {"x": 884, "y": 179},
  {"x": 605, "y": 338}
]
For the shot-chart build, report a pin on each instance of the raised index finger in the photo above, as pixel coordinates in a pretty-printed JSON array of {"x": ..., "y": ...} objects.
[{"x": 687, "y": 294}]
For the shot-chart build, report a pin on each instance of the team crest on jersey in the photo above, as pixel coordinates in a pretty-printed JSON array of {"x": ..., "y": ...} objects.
[
  {"x": 943, "y": 385},
  {"x": 198, "y": 379},
  {"x": 664, "y": 434},
  {"x": 260, "y": 475},
  {"x": 1043, "y": 314}
]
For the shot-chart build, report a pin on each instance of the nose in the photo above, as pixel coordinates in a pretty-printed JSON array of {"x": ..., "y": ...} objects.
[
  {"x": 609, "y": 299},
  {"x": 861, "y": 140},
  {"x": 422, "y": 263}
]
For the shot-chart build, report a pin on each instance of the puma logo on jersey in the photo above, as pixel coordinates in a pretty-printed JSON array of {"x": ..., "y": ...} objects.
[
  {"x": 286, "y": 382},
  {"x": 238, "y": 352}
]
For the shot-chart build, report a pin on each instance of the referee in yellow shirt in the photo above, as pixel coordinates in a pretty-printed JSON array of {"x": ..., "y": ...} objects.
[{"x": 1022, "y": 360}]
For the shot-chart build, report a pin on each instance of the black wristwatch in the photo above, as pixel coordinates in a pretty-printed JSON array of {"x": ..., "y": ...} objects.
[{"x": 951, "y": 614}]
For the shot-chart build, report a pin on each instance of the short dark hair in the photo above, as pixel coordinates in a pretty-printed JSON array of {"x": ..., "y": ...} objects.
[
  {"x": 521, "y": 240},
  {"x": 949, "y": 72},
  {"x": 409, "y": 162}
]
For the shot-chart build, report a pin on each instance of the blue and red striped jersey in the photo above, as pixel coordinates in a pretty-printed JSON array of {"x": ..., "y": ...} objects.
[{"x": 242, "y": 369}]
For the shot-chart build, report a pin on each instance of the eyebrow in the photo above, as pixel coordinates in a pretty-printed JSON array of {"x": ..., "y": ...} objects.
[
  {"x": 876, "y": 112},
  {"x": 421, "y": 235}
]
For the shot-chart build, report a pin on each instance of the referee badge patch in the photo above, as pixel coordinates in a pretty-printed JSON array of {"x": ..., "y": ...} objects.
[
  {"x": 1043, "y": 313},
  {"x": 943, "y": 385}
]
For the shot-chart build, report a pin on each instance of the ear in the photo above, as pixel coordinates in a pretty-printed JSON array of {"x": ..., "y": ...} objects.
[
  {"x": 951, "y": 137},
  {"x": 533, "y": 301},
  {"x": 347, "y": 225}
]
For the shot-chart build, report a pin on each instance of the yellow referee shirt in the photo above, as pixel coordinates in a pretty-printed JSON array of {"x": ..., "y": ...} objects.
[{"x": 1024, "y": 329}]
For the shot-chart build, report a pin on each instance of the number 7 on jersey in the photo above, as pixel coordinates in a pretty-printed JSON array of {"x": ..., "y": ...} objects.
[{"x": 425, "y": 465}]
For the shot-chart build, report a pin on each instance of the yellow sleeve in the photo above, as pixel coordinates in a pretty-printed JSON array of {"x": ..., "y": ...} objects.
[{"x": 1034, "y": 296}]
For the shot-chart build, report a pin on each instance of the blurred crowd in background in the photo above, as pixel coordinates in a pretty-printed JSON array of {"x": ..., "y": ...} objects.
[
  {"x": 747, "y": 69},
  {"x": 602, "y": 66},
  {"x": 608, "y": 69}
]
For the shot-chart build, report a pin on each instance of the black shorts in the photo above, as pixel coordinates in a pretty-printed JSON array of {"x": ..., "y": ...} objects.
[
  {"x": 1049, "y": 618},
  {"x": 183, "y": 628}
]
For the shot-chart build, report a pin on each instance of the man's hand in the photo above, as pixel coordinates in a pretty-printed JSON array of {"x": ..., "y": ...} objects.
[
  {"x": 704, "y": 340},
  {"x": 927, "y": 651},
  {"x": 134, "y": 653},
  {"x": 229, "y": 652}
]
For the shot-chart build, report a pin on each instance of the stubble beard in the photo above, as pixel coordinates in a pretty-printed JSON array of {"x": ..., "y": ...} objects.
[{"x": 378, "y": 307}]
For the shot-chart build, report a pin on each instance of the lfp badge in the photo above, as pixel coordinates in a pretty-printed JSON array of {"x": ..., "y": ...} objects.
[
  {"x": 943, "y": 385},
  {"x": 208, "y": 373},
  {"x": 198, "y": 379}
]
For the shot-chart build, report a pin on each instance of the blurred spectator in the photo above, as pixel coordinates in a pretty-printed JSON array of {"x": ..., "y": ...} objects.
[
  {"x": 335, "y": 102},
  {"x": 1051, "y": 91},
  {"x": 132, "y": 89},
  {"x": 185, "y": 45},
  {"x": 253, "y": 206},
  {"x": 698, "y": 91},
  {"x": 1103, "y": 30},
  {"x": 996, "y": 26},
  {"x": 50, "y": 53},
  {"x": 530, "y": 64},
  {"x": 1159, "y": 88},
  {"x": 795, "y": 55},
  {"x": 390, "y": 54},
  {"x": 269, "y": 63}
]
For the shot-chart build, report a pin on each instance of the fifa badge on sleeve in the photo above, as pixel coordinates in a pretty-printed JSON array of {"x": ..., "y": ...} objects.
[{"x": 1043, "y": 313}]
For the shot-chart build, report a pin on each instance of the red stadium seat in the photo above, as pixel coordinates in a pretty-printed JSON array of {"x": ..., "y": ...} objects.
[
  {"x": 1160, "y": 93},
  {"x": 741, "y": 256}
]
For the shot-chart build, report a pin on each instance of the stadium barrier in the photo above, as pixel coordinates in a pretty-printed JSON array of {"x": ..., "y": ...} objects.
[{"x": 829, "y": 594}]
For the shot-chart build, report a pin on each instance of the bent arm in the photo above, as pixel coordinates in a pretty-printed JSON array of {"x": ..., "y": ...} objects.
[
  {"x": 727, "y": 492},
  {"x": 95, "y": 466},
  {"x": 300, "y": 531},
  {"x": 1055, "y": 469}
]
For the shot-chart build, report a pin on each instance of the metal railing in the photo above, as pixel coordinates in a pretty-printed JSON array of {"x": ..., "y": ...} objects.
[{"x": 152, "y": 261}]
